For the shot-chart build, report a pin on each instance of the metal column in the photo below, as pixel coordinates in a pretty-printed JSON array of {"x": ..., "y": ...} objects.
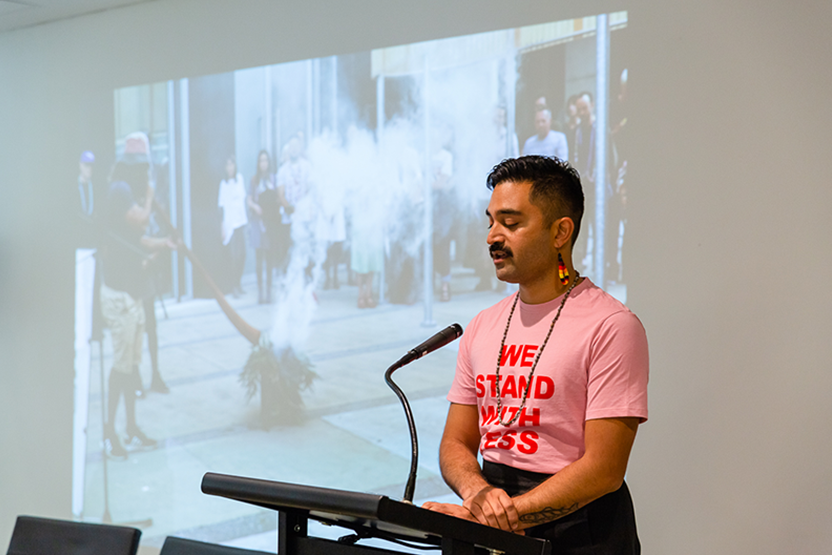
[
  {"x": 316, "y": 98},
  {"x": 334, "y": 99},
  {"x": 172, "y": 204},
  {"x": 428, "y": 229},
  {"x": 185, "y": 156},
  {"x": 309, "y": 101},
  {"x": 510, "y": 88},
  {"x": 380, "y": 117},
  {"x": 602, "y": 71},
  {"x": 268, "y": 116}
]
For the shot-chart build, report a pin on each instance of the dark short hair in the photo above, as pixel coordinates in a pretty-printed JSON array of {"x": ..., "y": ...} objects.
[{"x": 556, "y": 186}]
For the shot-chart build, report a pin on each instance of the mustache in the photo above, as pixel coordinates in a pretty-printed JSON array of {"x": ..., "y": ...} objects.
[{"x": 500, "y": 248}]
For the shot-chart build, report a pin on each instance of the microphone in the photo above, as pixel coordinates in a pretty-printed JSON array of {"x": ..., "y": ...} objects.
[{"x": 434, "y": 342}]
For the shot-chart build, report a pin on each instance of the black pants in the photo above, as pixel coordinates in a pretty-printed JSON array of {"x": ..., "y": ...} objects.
[{"x": 607, "y": 526}]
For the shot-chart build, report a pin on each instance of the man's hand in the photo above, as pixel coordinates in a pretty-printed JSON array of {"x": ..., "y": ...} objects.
[
  {"x": 457, "y": 511},
  {"x": 493, "y": 507},
  {"x": 450, "y": 509}
]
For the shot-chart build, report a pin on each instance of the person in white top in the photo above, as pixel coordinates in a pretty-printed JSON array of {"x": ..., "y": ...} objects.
[
  {"x": 546, "y": 142},
  {"x": 232, "y": 202}
]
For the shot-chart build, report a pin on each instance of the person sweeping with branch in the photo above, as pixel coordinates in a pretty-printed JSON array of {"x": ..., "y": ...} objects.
[{"x": 126, "y": 252}]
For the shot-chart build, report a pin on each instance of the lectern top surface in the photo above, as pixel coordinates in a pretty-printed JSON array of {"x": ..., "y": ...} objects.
[{"x": 373, "y": 514}]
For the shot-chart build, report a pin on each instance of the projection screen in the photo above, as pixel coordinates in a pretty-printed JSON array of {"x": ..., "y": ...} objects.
[{"x": 378, "y": 239}]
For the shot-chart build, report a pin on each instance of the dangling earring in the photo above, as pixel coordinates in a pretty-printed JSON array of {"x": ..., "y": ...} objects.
[{"x": 563, "y": 271}]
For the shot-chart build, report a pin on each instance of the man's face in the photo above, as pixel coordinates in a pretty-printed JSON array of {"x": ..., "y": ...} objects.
[
  {"x": 584, "y": 109},
  {"x": 520, "y": 242},
  {"x": 543, "y": 124},
  {"x": 86, "y": 171}
]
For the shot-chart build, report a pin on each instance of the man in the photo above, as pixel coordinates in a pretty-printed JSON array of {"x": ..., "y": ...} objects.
[
  {"x": 125, "y": 285},
  {"x": 617, "y": 211},
  {"x": 572, "y": 120},
  {"x": 550, "y": 383},
  {"x": 582, "y": 157},
  {"x": 546, "y": 142}
]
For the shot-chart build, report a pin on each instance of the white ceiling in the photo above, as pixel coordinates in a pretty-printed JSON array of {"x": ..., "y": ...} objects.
[{"x": 16, "y": 14}]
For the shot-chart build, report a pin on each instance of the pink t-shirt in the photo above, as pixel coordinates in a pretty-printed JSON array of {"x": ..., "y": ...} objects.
[{"x": 595, "y": 365}]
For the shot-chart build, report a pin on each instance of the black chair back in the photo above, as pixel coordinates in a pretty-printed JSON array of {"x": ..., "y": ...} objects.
[
  {"x": 46, "y": 536},
  {"x": 180, "y": 546}
]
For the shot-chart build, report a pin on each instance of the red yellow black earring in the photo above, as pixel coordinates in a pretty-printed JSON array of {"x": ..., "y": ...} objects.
[{"x": 563, "y": 271}]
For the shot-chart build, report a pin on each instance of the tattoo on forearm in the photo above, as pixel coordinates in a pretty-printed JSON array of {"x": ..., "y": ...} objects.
[{"x": 548, "y": 514}]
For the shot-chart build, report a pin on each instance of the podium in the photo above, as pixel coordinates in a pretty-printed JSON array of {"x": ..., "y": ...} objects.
[{"x": 368, "y": 516}]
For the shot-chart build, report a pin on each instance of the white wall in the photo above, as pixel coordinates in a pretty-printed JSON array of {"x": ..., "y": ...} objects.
[{"x": 729, "y": 272}]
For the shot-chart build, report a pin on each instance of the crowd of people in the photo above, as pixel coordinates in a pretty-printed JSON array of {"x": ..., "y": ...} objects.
[{"x": 573, "y": 139}]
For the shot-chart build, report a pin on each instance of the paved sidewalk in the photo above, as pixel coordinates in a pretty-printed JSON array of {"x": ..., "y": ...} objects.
[{"x": 354, "y": 436}]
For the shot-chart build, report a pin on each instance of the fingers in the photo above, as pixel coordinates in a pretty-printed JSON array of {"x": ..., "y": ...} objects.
[
  {"x": 449, "y": 509},
  {"x": 493, "y": 507},
  {"x": 462, "y": 512}
]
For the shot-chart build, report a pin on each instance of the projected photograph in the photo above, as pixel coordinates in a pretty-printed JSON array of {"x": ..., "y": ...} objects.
[{"x": 270, "y": 240}]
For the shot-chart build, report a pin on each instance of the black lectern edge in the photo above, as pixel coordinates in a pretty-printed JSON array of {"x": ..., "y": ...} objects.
[{"x": 370, "y": 513}]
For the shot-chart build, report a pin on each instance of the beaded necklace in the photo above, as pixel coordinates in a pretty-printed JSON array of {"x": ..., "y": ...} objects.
[{"x": 536, "y": 358}]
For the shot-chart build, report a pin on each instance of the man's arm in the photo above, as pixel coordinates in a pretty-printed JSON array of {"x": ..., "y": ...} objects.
[
  {"x": 598, "y": 472},
  {"x": 461, "y": 471},
  {"x": 458, "y": 451}
]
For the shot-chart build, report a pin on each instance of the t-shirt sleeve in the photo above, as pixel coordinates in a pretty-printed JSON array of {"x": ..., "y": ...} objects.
[
  {"x": 619, "y": 369},
  {"x": 463, "y": 389}
]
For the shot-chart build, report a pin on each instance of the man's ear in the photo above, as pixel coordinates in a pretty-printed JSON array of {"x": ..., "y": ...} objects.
[{"x": 561, "y": 231}]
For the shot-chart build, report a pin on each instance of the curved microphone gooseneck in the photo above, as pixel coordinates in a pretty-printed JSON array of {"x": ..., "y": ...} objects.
[{"x": 435, "y": 342}]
